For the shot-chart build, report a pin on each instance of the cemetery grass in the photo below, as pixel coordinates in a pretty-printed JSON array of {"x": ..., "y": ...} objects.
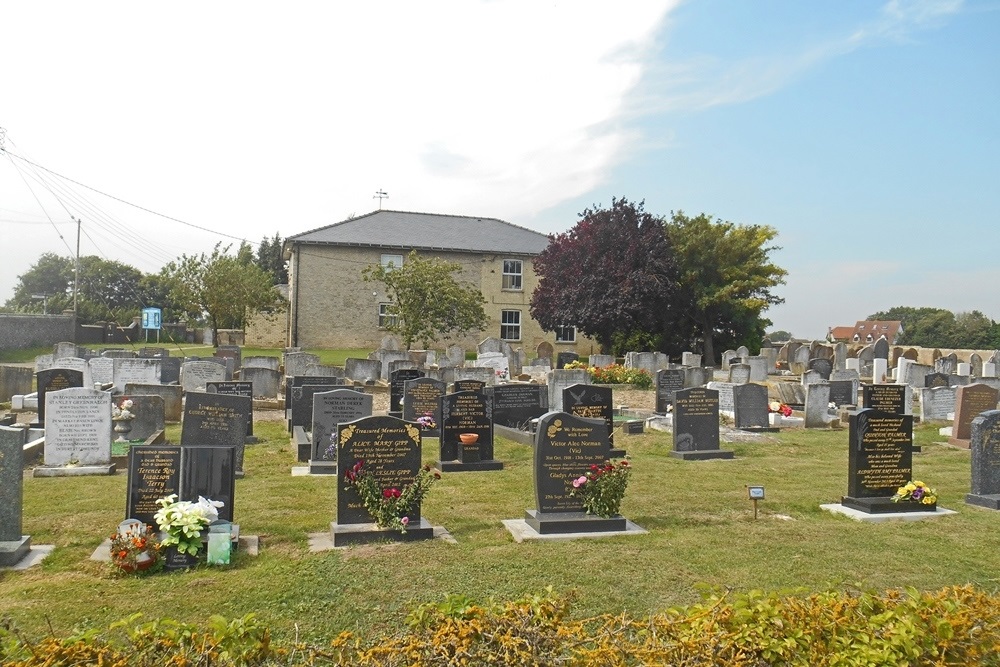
[{"x": 701, "y": 534}]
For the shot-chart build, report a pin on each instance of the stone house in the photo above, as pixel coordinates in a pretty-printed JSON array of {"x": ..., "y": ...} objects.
[{"x": 331, "y": 306}]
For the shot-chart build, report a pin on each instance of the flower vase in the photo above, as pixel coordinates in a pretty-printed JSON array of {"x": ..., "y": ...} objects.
[{"x": 122, "y": 428}]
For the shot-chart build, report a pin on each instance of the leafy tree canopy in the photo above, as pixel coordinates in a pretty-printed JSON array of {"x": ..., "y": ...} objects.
[
  {"x": 726, "y": 279},
  {"x": 780, "y": 336},
  {"x": 269, "y": 258},
  {"x": 426, "y": 301},
  {"x": 612, "y": 275},
  {"x": 938, "y": 327}
]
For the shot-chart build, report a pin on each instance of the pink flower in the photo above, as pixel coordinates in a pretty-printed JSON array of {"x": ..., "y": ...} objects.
[
  {"x": 579, "y": 481},
  {"x": 405, "y": 521}
]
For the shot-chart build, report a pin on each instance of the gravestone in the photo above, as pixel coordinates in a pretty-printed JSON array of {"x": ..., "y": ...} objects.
[
  {"x": 397, "y": 381},
  {"x": 667, "y": 383},
  {"x": 892, "y": 398},
  {"x": 937, "y": 403},
  {"x": 915, "y": 374},
  {"x": 390, "y": 450},
  {"x": 545, "y": 351},
  {"x": 265, "y": 382},
  {"x": 750, "y": 406},
  {"x": 154, "y": 472},
  {"x": 743, "y": 351},
  {"x": 171, "y": 395},
  {"x": 211, "y": 472},
  {"x": 195, "y": 375},
  {"x": 601, "y": 360},
  {"x": 244, "y": 389},
  {"x": 817, "y": 406},
  {"x": 985, "y": 446},
  {"x": 331, "y": 408},
  {"x": 791, "y": 393},
  {"x": 454, "y": 355},
  {"x": 300, "y": 412},
  {"x": 593, "y": 402},
  {"x": 485, "y": 375},
  {"x": 728, "y": 358},
  {"x": 43, "y": 362},
  {"x": 516, "y": 405},
  {"x": 880, "y": 349},
  {"x": 880, "y": 460},
  {"x": 149, "y": 416},
  {"x": 301, "y": 381},
  {"x": 296, "y": 362},
  {"x": 497, "y": 362},
  {"x": 365, "y": 371},
  {"x": 153, "y": 353},
  {"x": 564, "y": 358},
  {"x": 13, "y": 545},
  {"x": 136, "y": 371},
  {"x": 760, "y": 366},
  {"x": 78, "y": 428},
  {"x": 810, "y": 377},
  {"x": 391, "y": 342},
  {"x": 739, "y": 373},
  {"x": 65, "y": 349},
  {"x": 822, "y": 366},
  {"x": 557, "y": 380},
  {"x": 843, "y": 392},
  {"x": 936, "y": 379},
  {"x": 490, "y": 344},
  {"x": 725, "y": 390},
  {"x": 565, "y": 448},
  {"x": 798, "y": 362},
  {"x": 272, "y": 363},
  {"x": 695, "y": 376},
  {"x": 970, "y": 401},
  {"x": 14, "y": 380},
  {"x": 325, "y": 371},
  {"x": 947, "y": 364},
  {"x": 690, "y": 359},
  {"x": 467, "y": 412},
  {"x": 696, "y": 425},
  {"x": 170, "y": 370},
  {"x": 216, "y": 420},
  {"x": 56, "y": 379},
  {"x": 232, "y": 352},
  {"x": 102, "y": 370},
  {"x": 468, "y": 385},
  {"x": 840, "y": 356},
  {"x": 421, "y": 397},
  {"x": 880, "y": 370}
]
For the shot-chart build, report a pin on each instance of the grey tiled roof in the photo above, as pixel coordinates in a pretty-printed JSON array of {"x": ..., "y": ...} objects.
[{"x": 430, "y": 231}]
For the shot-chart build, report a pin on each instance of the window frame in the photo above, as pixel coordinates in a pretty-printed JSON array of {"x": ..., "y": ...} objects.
[
  {"x": 385, "y": 259},
  {"x": 512, "y": 276},
  {"x": 562, "y": 329},
  {"x": 510, "y": 325},
  {"x": 383, "y": 317}
]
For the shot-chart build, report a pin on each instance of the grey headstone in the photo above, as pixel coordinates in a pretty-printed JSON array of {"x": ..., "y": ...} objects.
[
  {"x": 392, "y": 342},
  {"x": 272, "y": 363},
  {"x": 739, "y": 373},
  {"x": 743, "y": 351},
  {"x": 799, "y": 360},
  {"x": 727, "y": 358},
  {"x": 558, "y": 380},
  {"x": 296, "y": 362},
  {"x": 792, "y": 393},
  {"x": 171, "y": 395},
  {"x": 750, "y": 406},
  {"x": 725, "y": 391},
  {"x": 265, "y": 381},
  {"x": 135, "y": 371},
  {"x": 690, "y": 359},
  {"x": 985, "y": 446},
  {"x": 195, "y": 375},
  {"x": 976, "y": 364},
  {"x": 817, "y": 405},
  {"x": 811, "y": 377},
  {"x": 936, "y": 403},
  {"x": 822, "y": 366},
  {"x": 486, "y": 375},
  {"x": 14, "y": 380},
  {"x": 322, "y": 370},
  {"x": 759, "y": 368},
  {"x": 947, "y": 364},
  {"x": 363, "y": 370},
  {"x": 498, "y": 361},
  {"x": 13, "y": 545},
  {"x": 102, "y": 370},
  {"x": 455, "y": 355},
  {"x": 545, "y": 351},
  {"x": 490, "y": 344},
  {"x": 880, "y": 349},
  {"x": 216, "y": 420},
  {"x": 148, "y": 411},
  {"x": 77, "y": 427},
  {"x": 696, "y": 376},
  {"x": 666, "y": 383},
  {"x": 601, "y": 360}
]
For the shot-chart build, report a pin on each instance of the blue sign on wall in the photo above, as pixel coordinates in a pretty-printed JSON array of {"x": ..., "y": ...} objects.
[{"x": 151, "y": 318}]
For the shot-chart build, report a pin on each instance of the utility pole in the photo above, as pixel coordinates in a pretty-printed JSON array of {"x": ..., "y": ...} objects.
[{"x": 76, "y": 274}]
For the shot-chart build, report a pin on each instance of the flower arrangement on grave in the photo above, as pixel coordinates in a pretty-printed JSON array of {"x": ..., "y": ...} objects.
[
  {"x": 182, "y": 522},
  {"x": 915, "y": 492},
  {"x": 123, "y": 410},
  {"x": 615, "y": 374},
  {"x": 603, "y": 488},
  {"x": 427, "y": 422},
  {"x": 390, "y": 506},
  {"x": 135, "y": 549},
  {"x": 781, "y": 408}
]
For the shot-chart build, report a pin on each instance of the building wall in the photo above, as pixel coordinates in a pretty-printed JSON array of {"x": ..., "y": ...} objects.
[{"x": 332, "y": 306}]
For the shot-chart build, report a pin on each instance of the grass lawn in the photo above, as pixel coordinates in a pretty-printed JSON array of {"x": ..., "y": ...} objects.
[{"x": 701, "y": 531}]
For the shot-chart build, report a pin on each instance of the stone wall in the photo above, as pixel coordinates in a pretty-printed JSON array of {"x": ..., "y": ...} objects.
[
  {"x": 268, "y": 329},
  {"x": 21, "y": 331}
]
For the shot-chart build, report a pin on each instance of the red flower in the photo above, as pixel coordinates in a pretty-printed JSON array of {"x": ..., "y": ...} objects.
[
  {"x": 437, "y": 475},
  {"x": 594, "y": 466}
]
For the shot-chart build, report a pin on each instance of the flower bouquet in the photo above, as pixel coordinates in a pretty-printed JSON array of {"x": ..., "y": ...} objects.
[
  {"x": 780, "y": 408},
  {"x": 427, "y": 422},
  {"x": 135, "y": 548},
  {"x": 915, "y": 492},
  {"x": 181, "y": 522},
  {"x": 603, "y": 488},
  {"x": 123, "y": 410},
  {"x": 390, "y": 506}
]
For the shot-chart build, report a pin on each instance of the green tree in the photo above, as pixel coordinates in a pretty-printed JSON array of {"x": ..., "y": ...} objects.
[
  {"x": 224, "y": 289},
  {"x": 269, "y": 258},
  {"x": 925, "y": 327},
  {"x": 726, "y": 278},
  {"x": 51, "y": 276},
  {"x": 426, "y": 302},
  {"x": 779, "y": 336}
]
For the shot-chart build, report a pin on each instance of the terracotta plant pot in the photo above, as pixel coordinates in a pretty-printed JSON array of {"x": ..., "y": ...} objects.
[{"x": 468, "y": 438}]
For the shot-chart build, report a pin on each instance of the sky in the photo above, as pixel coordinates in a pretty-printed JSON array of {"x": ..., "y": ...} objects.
[{"x": 866, "y": 133}]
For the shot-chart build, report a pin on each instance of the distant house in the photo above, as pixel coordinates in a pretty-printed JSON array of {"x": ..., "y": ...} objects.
[
  {"x": 330, "y": 305},
  {"x": 867, "y": 331}
]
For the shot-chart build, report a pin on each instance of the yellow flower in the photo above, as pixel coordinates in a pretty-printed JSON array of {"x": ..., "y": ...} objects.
[
  {"x": 910, "y": 487},
  {"x": 901, "y": 491},
  {"x": 918, "y": 483}
]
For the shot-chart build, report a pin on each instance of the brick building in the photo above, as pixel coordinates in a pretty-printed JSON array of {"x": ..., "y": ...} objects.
[{"x": 331, "y": 306}]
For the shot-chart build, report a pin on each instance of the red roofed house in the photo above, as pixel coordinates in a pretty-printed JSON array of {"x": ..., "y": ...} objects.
[{"x": 867, "y": 331}]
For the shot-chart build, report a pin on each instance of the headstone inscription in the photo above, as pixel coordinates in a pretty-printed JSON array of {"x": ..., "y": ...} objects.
[
  {"x": 892, "y": 398},
  {"x": 137, "y": 371},
  {"x": 593, "y": 402},
  {"x": 330, "y": 408},
  {"x": 750, "y": 406},
  {"x": 970, "y": 401},
  {"x": 461, "y": 413},
  {"x": 154, "y": 472},
  {"x": 390, "y": 451},
  {"x": 13, "y": 545},
  {"x": 515, "y": 405},
  {"x": 195, "y": 375},
  {"x": 739, "y": 373},
  {"x": 102, "y": 370},
  {"x": 668, "y": 382},
  {"x": 880, "y": 461},
  {"x": 696, "y": 425},
  {"x": 244, "y": 389},
  {"x": 843, "y": 392},
  {"x": 421, "y": 398},
  {"x": 565, "y": 448},
  {"x": 54, "y": 379},
  {"x": 468, "y": 385},
  {"x": 78, "y": 427},
  {"x": 216, "y": 420},
  {"x": 937, "y": 404},
  {"x": 397, "y": 381},
  {"x": 985, "y": 446}
]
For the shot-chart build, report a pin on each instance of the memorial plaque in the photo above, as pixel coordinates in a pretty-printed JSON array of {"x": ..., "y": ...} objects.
[
  {"x": 565, "y": 448},
  {"x": 423, "y": 397},
  {"x": 696, "y": 425},
  {"x": 78, "y": 427},
  {"x": 970, "y": 400},
  {"x": 466, "y": 412},
  {"x": 668, "y": 382},
  {"x": 889, "y": 398},
  {"x": 880, "y": 460},
  {"x": 397, "y": 381},
  {"x": 515, "y": 405},
  {"x": 468, "y": 385},
  {"x": 985, "y": 448},
  {"x": 55, "y": 379},
  {"x": 244, "y": 389},
  {"x": 591, "y": 402},
  {"x": 750, "y": 406},
  {"x": 210, "y": 472},
  {"x": 154, "y": 472},
  {"x": 390, "y": 450},
  {"x": 216, "y": 420},
  {"x": 331, "y": 408}
]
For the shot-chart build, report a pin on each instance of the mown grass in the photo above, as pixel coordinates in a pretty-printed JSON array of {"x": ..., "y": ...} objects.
[{"x": 701, "y": 531}]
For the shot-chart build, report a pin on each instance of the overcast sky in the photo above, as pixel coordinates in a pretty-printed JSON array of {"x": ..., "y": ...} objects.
[{"x": 866, "y": 133}]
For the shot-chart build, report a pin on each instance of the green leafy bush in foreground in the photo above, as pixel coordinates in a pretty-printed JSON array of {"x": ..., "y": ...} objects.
[{"x": 952, "y": 626}]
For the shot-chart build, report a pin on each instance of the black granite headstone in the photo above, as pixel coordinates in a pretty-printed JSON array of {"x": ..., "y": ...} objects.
[
  {"x": 314, "y": 380},
  {"x": 668, "y": 382},
  {"x": 985, "y": 446},
  {"x": 564, "y": 358},
  {"x": 696, "y": 425},
  {"x": 880, "y": 460},
  {"x": 330, "y": 408},
  {"x": 422, "y": 397},
  {"x": 210, "y": 472},
  {"x": 301, "y": 412},
  {"x": 216, "y": 420},
  {"x": 750, "y": 406},
  {"x": 842, "y": 392},
  {"x": 592, "y": 402},
  {"x": 889, "y": 398},
  {"x": 54, "y": 379},
  {"x": 154, "y": 472},
  {"x": 468, "y": 385},
  {"x": 397, "y": 382},
  {"x": 467, "y": 412},
  {"x": 170, "y": 370},
  {"x": 515, "y": 405},
  {"x": 244, "y": 389}
]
